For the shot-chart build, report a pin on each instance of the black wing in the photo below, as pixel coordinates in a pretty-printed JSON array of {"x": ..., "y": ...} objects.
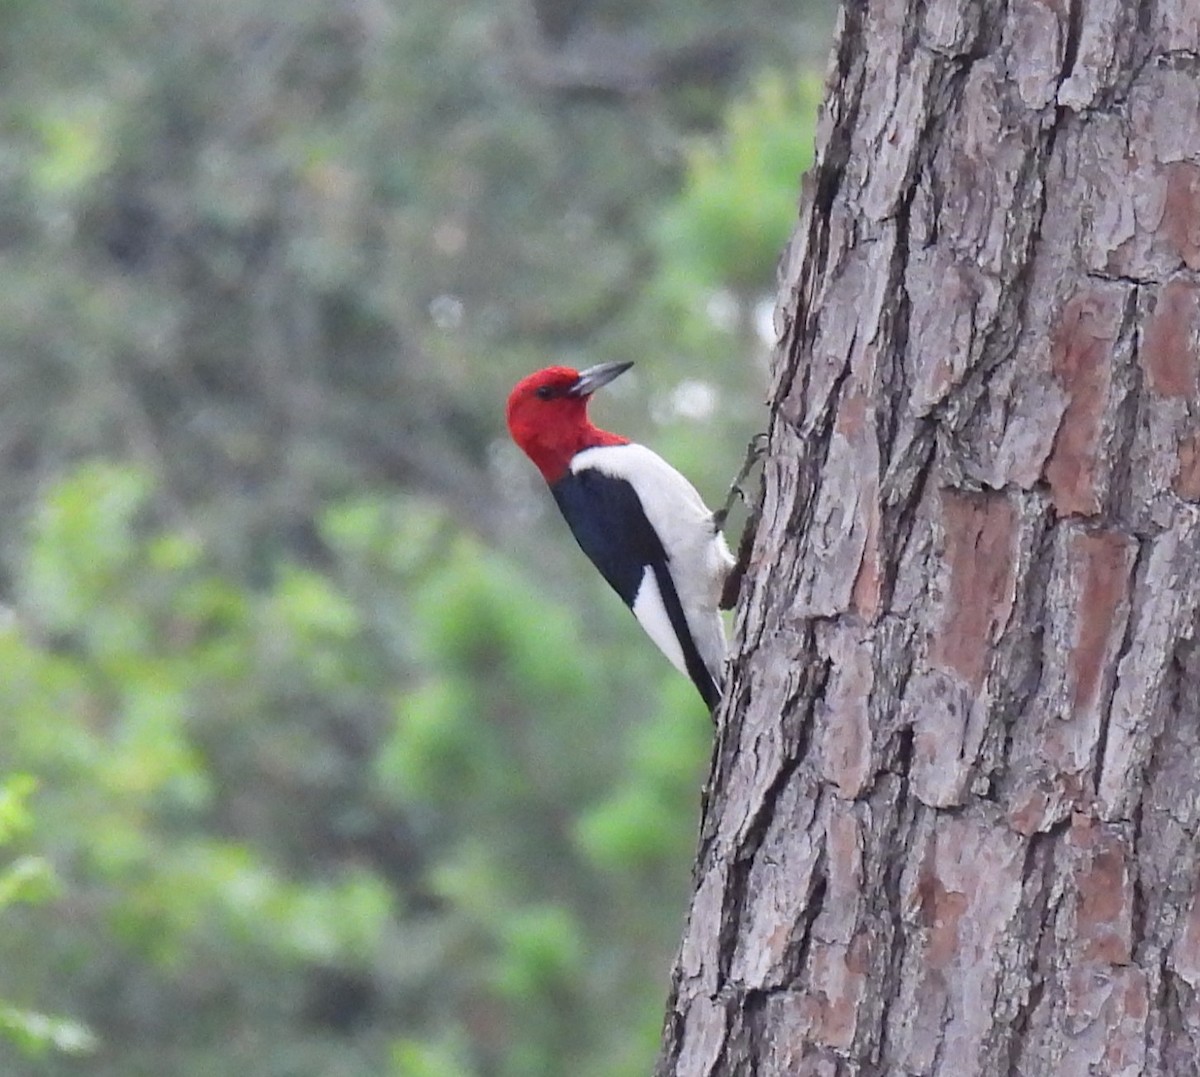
[{"x": 606, "y": 517}]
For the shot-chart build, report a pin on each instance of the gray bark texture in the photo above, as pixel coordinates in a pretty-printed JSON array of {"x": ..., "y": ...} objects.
[{"x": 951, "y": 825}]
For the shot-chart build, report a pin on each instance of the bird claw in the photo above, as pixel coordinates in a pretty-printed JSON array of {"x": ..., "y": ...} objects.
[
  {"x": 733, "y": 581},
  {"x": 755, "y": 449}
]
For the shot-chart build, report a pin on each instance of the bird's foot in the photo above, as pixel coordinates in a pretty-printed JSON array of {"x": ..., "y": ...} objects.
[
  {"x": 755, "y": 450},
  {"x": 733, "y": 581}
]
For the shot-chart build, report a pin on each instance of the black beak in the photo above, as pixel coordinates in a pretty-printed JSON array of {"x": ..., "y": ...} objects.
[{"x": 595, "y": 376}]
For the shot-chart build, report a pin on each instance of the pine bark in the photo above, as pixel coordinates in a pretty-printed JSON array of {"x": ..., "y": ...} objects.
[{"x": 951, "y": 825}]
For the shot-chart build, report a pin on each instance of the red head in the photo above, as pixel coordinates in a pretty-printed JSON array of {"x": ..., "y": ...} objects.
[{"x": 548, "y": 419}]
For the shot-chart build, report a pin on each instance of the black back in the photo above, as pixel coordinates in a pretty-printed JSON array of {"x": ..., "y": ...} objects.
[{"x": 606, "y": 517}]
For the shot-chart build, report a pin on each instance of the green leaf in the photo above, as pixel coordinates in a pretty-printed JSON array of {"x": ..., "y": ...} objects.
[
  {"x": 82, "y": 543},
  {"x": 15, "y": 817},
  {"x": 309, "y": 606},
  {"x": 431, "y": 750},
  {"x": 419, "y": 1058},
  {"x": 625, "y": 831},
  {"x": 739, "y": 202},
  {"x": 541, "y": 950},
  {"x": 28, "y": 879},
  {"x": 35, "y": 1034},
  {"x": 74, "y": 145}
]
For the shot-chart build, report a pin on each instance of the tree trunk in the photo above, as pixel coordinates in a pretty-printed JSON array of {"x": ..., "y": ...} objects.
[{"x": 951, "y": 826}]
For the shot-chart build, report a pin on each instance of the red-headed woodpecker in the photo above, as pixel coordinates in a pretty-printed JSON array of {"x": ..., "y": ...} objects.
[{"x": 642, "y": 523}]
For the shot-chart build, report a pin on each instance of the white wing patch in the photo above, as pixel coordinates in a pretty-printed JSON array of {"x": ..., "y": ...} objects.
[
  {"x": 699, "y": 560},
  {"x": 651, "y": 613}
]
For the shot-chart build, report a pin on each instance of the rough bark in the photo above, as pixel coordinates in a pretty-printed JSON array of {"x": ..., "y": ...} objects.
[{"x": 951, "y": 826}]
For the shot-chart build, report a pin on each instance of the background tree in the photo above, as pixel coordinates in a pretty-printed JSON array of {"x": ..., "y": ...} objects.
[
  {"x": 343, "y": 764},
  {"x": 952, "y": 819},
  {"x": 27, "y": 878}
]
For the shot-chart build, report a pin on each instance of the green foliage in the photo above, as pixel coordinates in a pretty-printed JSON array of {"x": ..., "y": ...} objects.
[
  {"x": 416, "y": 1058},
  {"x": 541, "y": 953},
  {"x": 347, "y": 764},
  {"x": 73, "y": 147},
  {"x": 35, "y": 1034},
  {"x": 15, "y": 816},
  {"x": 29, "y": 879},
  {"x": 646, "y": 816},
  {"x": 155, "y": 638},
  {"x": 739, "y": 201},
  {"x": 81, "y": 544},
  {"x": 431, "y": 751},
  {"x": 135, "y": 679},
  {"x": 25, "y": 878}
]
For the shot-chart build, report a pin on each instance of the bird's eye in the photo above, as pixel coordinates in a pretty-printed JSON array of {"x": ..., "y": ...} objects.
[{"x": 543, "y": 392}]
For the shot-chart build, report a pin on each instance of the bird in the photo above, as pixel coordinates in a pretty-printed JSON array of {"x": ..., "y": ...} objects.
[{"x": 643, "y": 525}]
